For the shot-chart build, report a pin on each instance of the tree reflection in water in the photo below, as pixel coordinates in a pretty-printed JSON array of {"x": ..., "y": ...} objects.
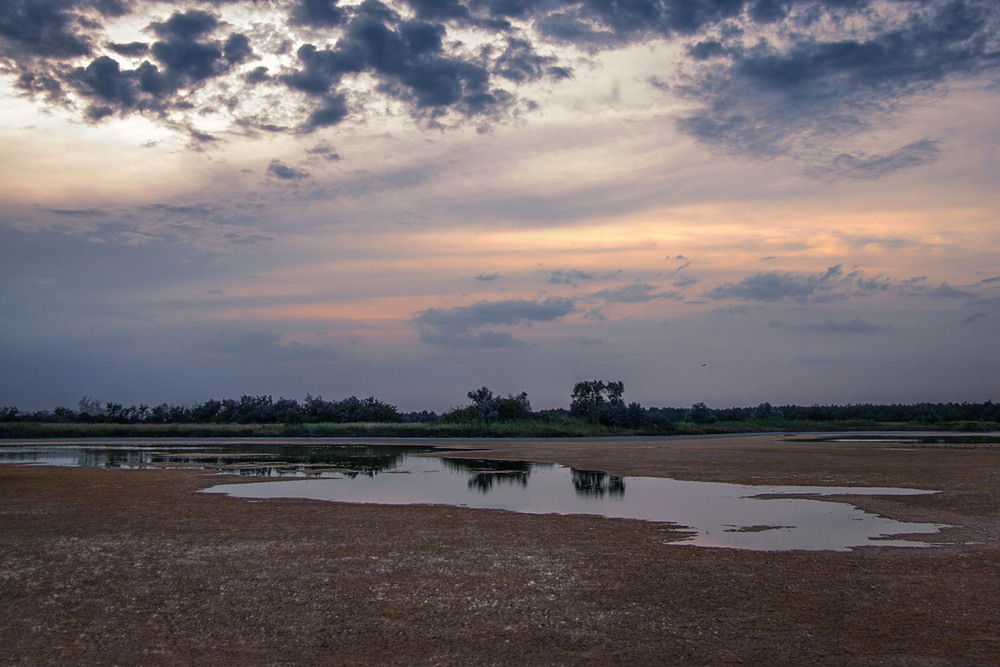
[
  {"x": 597, "y": 483},
  {"x": 484, "y": 473},
  {"x": 252, "y": 459}
]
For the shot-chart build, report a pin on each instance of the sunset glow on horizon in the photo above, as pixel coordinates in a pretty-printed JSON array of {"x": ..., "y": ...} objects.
[{"x": 721, "y": 202}]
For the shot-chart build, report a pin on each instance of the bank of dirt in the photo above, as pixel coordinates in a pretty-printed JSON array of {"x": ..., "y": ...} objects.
[{"x": 135, "y": 567}]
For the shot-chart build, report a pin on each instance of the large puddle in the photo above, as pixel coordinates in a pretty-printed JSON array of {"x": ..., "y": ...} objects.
[{"x": 761, "y": 518}]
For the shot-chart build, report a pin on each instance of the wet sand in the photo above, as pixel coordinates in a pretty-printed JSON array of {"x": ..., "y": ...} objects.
[{"x": 135, "y": 567}]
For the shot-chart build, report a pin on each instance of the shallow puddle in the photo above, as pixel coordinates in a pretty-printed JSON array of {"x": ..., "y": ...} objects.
[
  {"x": 254, "y": 458},
  {"x": 718, "y": 515},
  {"x": 761, "y": 518}
]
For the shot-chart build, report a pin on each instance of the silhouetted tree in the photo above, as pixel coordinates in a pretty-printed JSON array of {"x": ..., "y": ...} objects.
[
  {"x": 635, "y": 416},
  {"x": 90, "y": 410},
  {"x": 486, "y": 406},
  {"x": 513, "y": 407},
  {"x": 700, "y": 414},
  {"x": 766, "y": 412},
  {"x": 599, "y": 401}
]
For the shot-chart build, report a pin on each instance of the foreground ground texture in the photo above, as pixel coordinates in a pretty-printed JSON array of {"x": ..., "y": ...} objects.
[{"x": 134, "y": 567}]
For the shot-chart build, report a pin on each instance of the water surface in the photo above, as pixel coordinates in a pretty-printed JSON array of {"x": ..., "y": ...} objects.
[
  {"x": 755, "y": 517},
  {"x": 739, "y": 516}
]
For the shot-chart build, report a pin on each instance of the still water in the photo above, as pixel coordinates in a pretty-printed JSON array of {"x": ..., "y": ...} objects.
[
  {"x": 258, "y": 458},
  {"x": 761, "y": 518}
]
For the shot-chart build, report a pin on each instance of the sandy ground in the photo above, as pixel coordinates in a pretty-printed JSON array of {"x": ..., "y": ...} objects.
[{"x": 135, "y": 567}]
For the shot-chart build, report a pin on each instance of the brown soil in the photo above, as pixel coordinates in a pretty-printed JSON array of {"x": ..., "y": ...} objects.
[{"x": 135, "y": 567}]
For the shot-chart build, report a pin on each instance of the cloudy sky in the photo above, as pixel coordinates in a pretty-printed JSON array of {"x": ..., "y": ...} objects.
[{"x": 728, "y": 201}]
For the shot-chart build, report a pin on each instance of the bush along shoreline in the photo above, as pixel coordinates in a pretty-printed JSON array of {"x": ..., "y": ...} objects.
[{"x": 597, "y": 409}]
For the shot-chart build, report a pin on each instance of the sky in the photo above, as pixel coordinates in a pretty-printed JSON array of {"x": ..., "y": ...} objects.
[{"x": 719, "y": 201}]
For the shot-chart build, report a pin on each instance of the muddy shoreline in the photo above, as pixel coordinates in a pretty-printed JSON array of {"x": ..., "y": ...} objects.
[{"x": 134, "y": 566}]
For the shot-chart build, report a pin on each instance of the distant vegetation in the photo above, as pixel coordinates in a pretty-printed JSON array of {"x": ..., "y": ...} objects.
[{"x": 597, "y": 408}]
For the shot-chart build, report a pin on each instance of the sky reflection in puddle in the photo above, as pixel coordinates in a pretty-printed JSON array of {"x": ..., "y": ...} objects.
[
  {"x": 760, "y": 518},
  {"x": 718, "y": 515}
]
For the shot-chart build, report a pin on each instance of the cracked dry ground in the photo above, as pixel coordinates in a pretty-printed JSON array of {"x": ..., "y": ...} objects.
[{"x": 135, "y": 567}]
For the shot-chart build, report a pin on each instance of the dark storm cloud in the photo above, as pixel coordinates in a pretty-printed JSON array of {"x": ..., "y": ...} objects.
[
  {"x": 258, "y": 75},
  {"x": 131, "y": 50},
  {"x": 570, "y": 27},
  {"x": 763, "y": 100},
  {"x": 519, "y": 62},
  {"x": 185, "y": 26},
  {"x": 285, "y": 172},
  {"x": 236, "y": 49},
  {"x": 49, "y": 28},
  {"x": 411, "y": 64},
  {"x": 602, "y": 23},
  {"x": 778, "y": 285},
  {"x": 441, "y": 10},
  {"x": 792, "y": 90},
  {"x": 409, "y": 58},
  {"x": 187, "y": 52},
  {"x": 451, "y": 326},
  {"x": 707, "y": 49},
  {"x": 104, "y": 79},
  {"x": 40, "y": 38},
  {"x": 855, "y": 326},
  {"x": 332, "y": 110},
  {"x": 317, "y": 13},
  {"x": 186, "y": 56}
]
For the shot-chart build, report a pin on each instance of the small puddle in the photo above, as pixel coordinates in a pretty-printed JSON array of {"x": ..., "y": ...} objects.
[
  {"x": 759, "y": 518},
  {"x": 251, "y": 459}
]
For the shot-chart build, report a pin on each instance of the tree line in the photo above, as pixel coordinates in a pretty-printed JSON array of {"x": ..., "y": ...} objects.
[
  {"x": 247, "y": 409},
  {"x": 594, "y": 401}
]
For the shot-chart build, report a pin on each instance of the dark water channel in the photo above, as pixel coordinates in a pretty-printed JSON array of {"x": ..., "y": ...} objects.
[{"x": 763, "y": 518}]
